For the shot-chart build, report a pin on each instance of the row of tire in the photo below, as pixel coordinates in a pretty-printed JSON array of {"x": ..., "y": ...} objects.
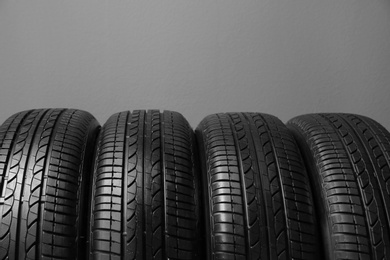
[{"x": 146, "y": 186}]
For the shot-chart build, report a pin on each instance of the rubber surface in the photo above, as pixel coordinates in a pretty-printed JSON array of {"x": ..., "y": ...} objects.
[
  {"x": 44, "y": 165},
  {"x": 257, "y": 197},
  {"x": 145, "y": 203},
  {"x": 348, "y": 156}
]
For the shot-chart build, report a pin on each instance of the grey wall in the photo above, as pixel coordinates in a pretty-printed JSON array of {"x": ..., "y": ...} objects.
[{"x": 281, "y": 57}]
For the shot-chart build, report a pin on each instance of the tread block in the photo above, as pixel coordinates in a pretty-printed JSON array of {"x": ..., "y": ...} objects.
[
  {"x": 144, "y": 194},
  {"x": 349, "y": 160},
  {"x": 45, "y": 164},
  {"x": 255, "y": 189}
]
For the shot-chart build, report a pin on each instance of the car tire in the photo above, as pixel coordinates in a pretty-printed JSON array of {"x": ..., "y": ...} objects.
[
  {"x": 348, "y": 160},
  {"x": 45, "y": 163},
  {"x": 257, "y": 197},
  {"x": 144, "y": 194}
]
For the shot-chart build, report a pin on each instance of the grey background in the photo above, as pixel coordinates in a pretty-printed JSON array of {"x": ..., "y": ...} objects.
[{"x": 284, "y": 57}]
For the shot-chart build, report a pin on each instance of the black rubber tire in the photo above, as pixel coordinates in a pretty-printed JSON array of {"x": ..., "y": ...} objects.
[
  {"x": 257, "y": 197},
  {"x": 348, "y": 157},
  {"x": 45, "y": 164},
  {"x": 144, "y": 202}
]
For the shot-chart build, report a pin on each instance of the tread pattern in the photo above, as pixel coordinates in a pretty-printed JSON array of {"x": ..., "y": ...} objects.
[
  {"x": 43, "y": 164},
  {"x": 145, "y": 203},
  {"x": 349, "y": 158},
  {"x": 256, "y": 193}
]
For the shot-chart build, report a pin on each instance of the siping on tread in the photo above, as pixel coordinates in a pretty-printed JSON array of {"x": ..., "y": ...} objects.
[
  {"x": 349, "y": 160},
  {"x": 144, "y": 194},
  {"x": 256, "y": 194},
  {"x": 42, "y": 184}
]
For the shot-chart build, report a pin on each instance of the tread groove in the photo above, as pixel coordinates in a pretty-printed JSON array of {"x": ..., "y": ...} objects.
[
  {"x": 9, "y": 156},
  {"x": 348, "y": 155},
  {"x": 124, "y": 187},
  {"x": 144, "y": 220},
  {"x": 242, "y": 182},
  {"x": 278, "y": 167},
  {"x": 385, "y": 155},
  {"x": 26, "y": 167},
  {"x": 262, "y": 196},
  {"x": 45, "y": 173},
  {"x": 351, "y": 166},
  {"x": 164, "y": 182}
]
